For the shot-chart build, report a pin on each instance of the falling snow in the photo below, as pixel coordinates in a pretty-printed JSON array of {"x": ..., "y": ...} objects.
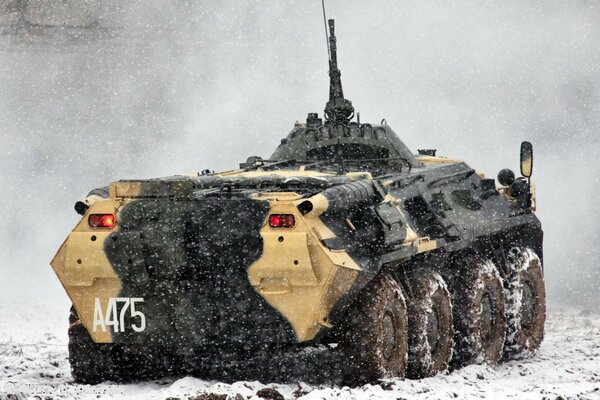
[{"x": 95, "y": 91}]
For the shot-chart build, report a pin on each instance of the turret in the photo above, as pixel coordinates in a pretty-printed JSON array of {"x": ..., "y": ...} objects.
[{"x": 338, "y": 110}]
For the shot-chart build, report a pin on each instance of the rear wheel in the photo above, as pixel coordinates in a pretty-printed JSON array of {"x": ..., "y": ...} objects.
[
  {"x": 430, "y": 325},
  {"x": 479, "y": 319},
  {"x": 374, "y": 344},
  {"x": 91, "y": 363},
  {"x": 525, "y": 302}
]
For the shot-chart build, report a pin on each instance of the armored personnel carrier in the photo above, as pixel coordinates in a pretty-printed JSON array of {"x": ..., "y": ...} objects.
[{"x": 408, "y": 263}]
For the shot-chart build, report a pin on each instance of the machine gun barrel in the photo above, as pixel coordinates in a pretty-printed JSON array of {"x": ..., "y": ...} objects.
[
  {"x": 335, "y": 86},
  {"x": 340, "y": 198},
  {"x": 337, "y": 109}
]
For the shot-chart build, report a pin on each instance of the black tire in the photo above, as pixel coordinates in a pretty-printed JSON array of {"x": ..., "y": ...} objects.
[
  {"x": 91, "y": 363},
  {"x": 430, "y": 330},
  {"x": 479, "y": 316},
  {"x": 375, "y": 342},
  {"x": 525, "y": 303}
]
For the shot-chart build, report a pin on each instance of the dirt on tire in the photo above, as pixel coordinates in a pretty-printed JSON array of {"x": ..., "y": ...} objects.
[
  {"x": 375, "y": 342},
  {"x": 479, "y": 313},
  {"x": 430, "y": 330},
  {"x": 525, "y": 303}
]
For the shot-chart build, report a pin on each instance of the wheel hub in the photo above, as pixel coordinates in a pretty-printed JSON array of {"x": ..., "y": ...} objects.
[
  {"x": 527, "y": 306},
  {"x": 389, "y": 335},
  {"x": 488, "y": 321},
  {"x": 433, "y": 329}
]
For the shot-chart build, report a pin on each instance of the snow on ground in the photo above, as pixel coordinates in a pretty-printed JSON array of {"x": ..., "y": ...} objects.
[{"x": 33, "y": 364}]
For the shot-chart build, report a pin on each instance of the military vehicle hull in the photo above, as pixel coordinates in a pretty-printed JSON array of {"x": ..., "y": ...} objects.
[
  {"x": 190, "y": 265},
  {"x": 411, "y": 263}
]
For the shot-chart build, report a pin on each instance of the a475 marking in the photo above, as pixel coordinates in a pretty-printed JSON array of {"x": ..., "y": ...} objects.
[{"x": 116, "y": 320}]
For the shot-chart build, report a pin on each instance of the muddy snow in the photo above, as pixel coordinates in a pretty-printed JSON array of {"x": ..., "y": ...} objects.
[{"x": 33, "y": 364}]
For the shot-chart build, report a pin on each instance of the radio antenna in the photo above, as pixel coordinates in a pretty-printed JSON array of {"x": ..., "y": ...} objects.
[{"x": 326, "y": 35}]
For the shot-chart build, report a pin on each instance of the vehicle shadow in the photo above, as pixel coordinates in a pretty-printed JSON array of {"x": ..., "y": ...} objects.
[{"x": 313, "y": 365}]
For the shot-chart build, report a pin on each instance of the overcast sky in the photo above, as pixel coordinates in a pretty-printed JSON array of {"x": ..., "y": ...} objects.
[{"x": 141, "y": 89}]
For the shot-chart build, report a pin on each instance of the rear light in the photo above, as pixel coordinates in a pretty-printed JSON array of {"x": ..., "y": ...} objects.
[
  {"x": 101, "y": 220},
  {"x": 282, "y": 220}
]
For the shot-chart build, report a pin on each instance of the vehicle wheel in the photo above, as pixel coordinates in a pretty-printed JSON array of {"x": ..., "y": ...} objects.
[
  {"x": 430, "y": 325},
  {"x": 479, "y": 319},
  {"x": 374, "y": 344},
  {"x": 91, "y": 363},
  {"x": 525, "y": 302}
]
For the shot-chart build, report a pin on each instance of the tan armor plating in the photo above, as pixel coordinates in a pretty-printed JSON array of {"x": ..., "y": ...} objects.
[
  {"x": 84, "y": 270},
  {"x": 297, "y": 274}
]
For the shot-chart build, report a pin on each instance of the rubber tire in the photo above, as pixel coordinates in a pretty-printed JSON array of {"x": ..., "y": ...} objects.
[
  {"x": 430, "y": 293},
  {"x": 91, "y": 363},
  {"x": 478, "y": 279},
  {"x": 524, "y": 268},
  {"x": 362, "y": 344}
]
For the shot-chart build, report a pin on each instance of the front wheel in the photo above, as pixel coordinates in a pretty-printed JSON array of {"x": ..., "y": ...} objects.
[
  {"x": 525, "y": 302},
  {"x": 479, "y": 319},
  {"x": 375, "y": 342}
]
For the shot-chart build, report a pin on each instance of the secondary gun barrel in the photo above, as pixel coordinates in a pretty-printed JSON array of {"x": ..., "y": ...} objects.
[{"x": 340, "y": 198}]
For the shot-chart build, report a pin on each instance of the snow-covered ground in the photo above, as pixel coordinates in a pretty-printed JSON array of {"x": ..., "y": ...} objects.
[{"x": 33, "y": 362}]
